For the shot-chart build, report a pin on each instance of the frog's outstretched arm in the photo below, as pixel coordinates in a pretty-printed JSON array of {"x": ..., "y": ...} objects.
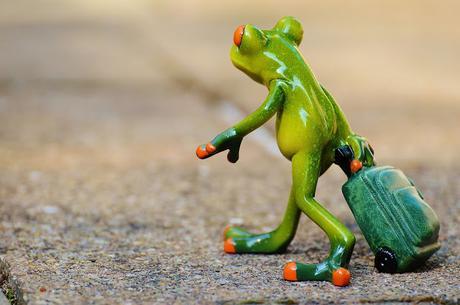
[{"x": 232, "y": 137}]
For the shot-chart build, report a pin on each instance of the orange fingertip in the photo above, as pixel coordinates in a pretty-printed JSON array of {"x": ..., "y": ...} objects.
[
  {"x": 210, "y": 148},
  {"x": 229, "y": 246},
  {"x": 201, "y": 153},
  {"x": 355, "y": 166},
  {"x": 290, "y": 272},
  {"x": 226, "y": 230},
  {"x": 341, "y": 277}
]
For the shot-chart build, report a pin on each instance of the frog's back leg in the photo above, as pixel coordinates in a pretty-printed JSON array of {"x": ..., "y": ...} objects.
[
  {"x": 238, "y": 240},
  {"x": 306, "y": 167}
]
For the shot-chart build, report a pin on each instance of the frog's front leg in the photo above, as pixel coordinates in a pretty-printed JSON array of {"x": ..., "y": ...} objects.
[
  {"x": 231, "y": 138},
  {"x": 238, "y": 240},
  {"x": 306, "y": 169}
]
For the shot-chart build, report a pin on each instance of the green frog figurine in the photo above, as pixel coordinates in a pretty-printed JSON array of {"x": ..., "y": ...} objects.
[{"x": 310, "y": 127}]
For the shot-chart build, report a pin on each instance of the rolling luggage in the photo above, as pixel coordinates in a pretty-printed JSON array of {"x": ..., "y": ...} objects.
[{"x": 399, "y": 226}]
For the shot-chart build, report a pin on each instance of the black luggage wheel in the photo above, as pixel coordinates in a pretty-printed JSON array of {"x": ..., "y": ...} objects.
[{"x": 385, "y": 260}]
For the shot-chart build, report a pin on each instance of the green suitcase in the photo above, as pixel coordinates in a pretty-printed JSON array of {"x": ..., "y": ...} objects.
[{"x": 399, "y": 226}]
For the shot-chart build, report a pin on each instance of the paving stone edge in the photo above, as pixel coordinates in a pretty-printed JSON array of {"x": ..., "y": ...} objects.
[{"x": 9, "y": 286}]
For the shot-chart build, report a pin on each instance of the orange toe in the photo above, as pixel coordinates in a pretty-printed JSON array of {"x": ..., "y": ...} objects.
[
  {"x": 341, "y": 277},
  {"x": 210, "y": 148},
  {"x": 355, "y": 166},
  {"x": 226, "y": 230},
  {"x": 201, "y": 153},
  {"x": 290, "y": 271},
  {"x": 229, "y": 246}
]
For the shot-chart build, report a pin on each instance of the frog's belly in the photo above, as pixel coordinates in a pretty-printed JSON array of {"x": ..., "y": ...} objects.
[{"x": 295, "y": 133}]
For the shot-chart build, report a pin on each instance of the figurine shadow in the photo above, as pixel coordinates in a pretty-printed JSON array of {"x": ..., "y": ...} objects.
[{"x": 433, "y": 263}]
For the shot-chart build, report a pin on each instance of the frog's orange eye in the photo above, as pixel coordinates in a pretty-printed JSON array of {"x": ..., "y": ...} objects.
[{"x": 238, "y": 35}]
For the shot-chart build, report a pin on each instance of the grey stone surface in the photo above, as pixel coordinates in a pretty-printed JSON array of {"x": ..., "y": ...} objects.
[
  {"x": 3, "y": 299},
  {"x": 102, "y": 200}
]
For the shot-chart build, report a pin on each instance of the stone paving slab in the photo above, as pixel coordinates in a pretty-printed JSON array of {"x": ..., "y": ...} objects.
[
  {"x": 131, "y": 225},
  {"x": 102, "y": 200},
  {"x": 3, "y": 300},
  {"x": 119, "y": 221}
]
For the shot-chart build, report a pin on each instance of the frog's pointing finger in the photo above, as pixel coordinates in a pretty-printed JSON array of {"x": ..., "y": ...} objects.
[{"x": 206, "y": 150}]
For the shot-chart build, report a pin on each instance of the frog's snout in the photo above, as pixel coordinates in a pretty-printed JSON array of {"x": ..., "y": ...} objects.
[{"x": 238, "y": 35}]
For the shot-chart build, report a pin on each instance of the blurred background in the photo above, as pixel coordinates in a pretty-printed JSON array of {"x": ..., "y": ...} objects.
[
  {"x": 102, "y": 104},
  {"x": 391, "y": 65}
]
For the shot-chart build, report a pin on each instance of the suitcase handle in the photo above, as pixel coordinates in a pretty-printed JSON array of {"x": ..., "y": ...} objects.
[{"x": 343, "y": 157}]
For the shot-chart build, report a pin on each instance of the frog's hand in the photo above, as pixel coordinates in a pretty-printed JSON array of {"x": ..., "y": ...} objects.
[
  {"x": 232, "y": 137},
  {"x": 354, "y": 155},
  {"x": 362, "y": 150},
  {"x": 205, "y": 151},
  {"x": 229, "y": 139}
]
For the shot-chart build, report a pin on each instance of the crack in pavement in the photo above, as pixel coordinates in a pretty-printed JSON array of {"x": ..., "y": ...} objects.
[
  {"x": 410, "y": 300},
  {"x": 10, "y": 288}
]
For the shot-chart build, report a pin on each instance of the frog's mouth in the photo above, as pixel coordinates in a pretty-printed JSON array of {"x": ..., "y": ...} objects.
[
  {"x": 236, "y": 58},
  {"x": 243, "y": 68}
]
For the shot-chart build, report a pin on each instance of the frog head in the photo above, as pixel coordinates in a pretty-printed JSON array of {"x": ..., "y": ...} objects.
[{"x": 265, "y": 55}]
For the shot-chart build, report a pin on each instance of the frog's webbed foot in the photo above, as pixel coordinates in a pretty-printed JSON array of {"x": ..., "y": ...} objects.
[
  {"x": 333, "y": 269},
  {"x": 238, "y": 240},
  {"x": 325, "y": 271},
  {"x": 232, "y": 232}
]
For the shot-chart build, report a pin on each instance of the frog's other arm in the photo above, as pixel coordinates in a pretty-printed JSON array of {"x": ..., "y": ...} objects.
[
  {"x": 231, "y": 138},
  {"x": 363, "y": 151}
]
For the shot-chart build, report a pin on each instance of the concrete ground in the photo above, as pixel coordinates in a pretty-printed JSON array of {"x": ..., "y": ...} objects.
[{"x": 102, "y": 200}]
